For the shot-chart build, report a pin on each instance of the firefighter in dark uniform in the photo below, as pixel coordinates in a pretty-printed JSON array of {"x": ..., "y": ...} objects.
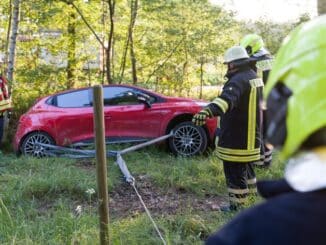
[
  {"x": 261, "y": 61},
  {"x": 295, "y": 210},
  {"x": 5, "y": 103},
  {"x": 239, "y": 136}
]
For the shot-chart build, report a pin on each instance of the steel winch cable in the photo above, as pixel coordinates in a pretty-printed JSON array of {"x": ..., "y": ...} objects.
[
  {"x": 147, "y": 212},
  {"x": 51, "y": 150},
  {"x": 131, "y": 180}
]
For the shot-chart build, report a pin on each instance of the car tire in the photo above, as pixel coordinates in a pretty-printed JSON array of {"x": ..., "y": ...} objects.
[
  {"x": 28, "y": 146},
  {"x": 188, "y": 140}
]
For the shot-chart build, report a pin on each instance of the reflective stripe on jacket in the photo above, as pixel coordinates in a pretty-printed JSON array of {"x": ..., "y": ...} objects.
[
  {"x": 240, "y": 133},
  {"x": 5, "y": 100}
]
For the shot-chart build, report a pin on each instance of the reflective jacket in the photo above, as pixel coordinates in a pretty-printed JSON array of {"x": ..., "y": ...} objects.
[
  {"x": 262, "y": 63},
  {"x": 5, "y": 101},
  {"x": 240, "y": 125}
]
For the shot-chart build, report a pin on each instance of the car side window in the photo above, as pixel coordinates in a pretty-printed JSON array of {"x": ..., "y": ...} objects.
[
  {"x": 121, "y": 96},
  {"x": 73, "y": 99}
]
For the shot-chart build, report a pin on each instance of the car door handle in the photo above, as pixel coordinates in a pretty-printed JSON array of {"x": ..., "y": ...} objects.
[{"x": 108, "y": 116}]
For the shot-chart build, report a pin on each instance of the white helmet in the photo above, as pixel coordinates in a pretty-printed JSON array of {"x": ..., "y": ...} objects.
[{"x": 235, "y": 53}]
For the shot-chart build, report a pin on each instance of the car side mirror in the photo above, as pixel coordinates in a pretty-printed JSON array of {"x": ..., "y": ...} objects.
[{"x": 144, "y": 100}]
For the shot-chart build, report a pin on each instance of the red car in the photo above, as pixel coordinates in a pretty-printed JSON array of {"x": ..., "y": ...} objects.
[{"x": 131, "y": 114}]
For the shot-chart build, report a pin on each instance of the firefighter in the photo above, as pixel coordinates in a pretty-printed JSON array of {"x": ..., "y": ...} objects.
[
  {"x": 260, "y": 57},
  {"x": 261, "y": 61},
  {"x": 295, "y": 212},
  {"x": 5, "y": 104},
  {"x": 239, "y": 137}
]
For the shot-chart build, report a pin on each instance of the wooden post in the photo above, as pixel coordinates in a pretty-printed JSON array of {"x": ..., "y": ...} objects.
[{"x": 101, "y": 166}]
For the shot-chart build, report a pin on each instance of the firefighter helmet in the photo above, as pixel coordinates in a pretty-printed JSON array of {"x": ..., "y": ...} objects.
[
  {"x": 252, "y": 43},
  {"x": 235, "y": 53},
  {"x": 296, "y": 88}
]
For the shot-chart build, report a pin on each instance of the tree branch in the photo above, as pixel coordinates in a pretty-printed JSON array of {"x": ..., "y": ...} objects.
[
  {"x": 165, "y": 60},
  {"x": 87, "y": 24}
]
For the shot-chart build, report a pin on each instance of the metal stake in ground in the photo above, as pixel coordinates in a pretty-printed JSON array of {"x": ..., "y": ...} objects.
[{"x": 101, "y": 166}]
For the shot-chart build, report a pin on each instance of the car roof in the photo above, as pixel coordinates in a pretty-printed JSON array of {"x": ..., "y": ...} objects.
[{"x": 106, "y": 85}]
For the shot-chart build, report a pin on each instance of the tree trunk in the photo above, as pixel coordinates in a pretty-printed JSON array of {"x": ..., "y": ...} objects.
[
  {"x": 113, "y": 58},
  {"x": 201, "y": 78},
  {"x": 103, "y": 48},
  {"x": 71, "y": 63},
  {"x": 184, "y": 77},
  {"x": 8, "y": 34},
  {"x": 133, "y": 15},
  {"x": 13, "y": 38},
  {"x": 321, "y": 7},
  {"x": 130, "y": 44},
  {"x": 123, "y": 60},
  {"x": 104, "y": 8},
  {"x": 110, "y": 42}
]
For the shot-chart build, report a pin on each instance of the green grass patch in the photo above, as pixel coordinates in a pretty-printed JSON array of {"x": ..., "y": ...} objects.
[{"x": 39, "y": 197}]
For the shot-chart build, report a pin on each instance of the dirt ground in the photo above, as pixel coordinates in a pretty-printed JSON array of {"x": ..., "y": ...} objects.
[{"x": 124, "y": 201}]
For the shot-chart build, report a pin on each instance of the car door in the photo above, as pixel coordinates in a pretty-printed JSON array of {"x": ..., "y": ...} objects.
[
  {"x": 126, "y": 117},
  {"x": 74, "y": 117}
]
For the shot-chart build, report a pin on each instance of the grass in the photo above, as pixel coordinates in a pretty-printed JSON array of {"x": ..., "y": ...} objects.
[{"x": 38, "y": 199}]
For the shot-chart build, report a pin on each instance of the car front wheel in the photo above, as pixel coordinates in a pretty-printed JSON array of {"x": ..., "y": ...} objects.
[
  {"x": 29, "y": 146},
  {"x": 188, "y": 140}
]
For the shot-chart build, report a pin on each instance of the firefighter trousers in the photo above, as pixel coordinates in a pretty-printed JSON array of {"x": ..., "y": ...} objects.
[
  {"x": 265, "y": 157},
  {"x": 240, "y": 180}
]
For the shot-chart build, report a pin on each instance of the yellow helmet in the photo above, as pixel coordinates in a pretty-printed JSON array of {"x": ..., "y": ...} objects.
[
  {"x": 252, "y": 43},
  {"x": 296, "y": 88}
]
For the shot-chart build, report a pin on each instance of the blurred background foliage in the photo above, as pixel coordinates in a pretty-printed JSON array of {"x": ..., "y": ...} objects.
[{"x": 174, "y": 47}]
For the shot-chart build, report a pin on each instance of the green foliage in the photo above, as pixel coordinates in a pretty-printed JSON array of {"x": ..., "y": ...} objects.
[
  {"x": 200, "y": 37},
  {"x": 272, "y": 33},
  {"x": 178, "y": 45}
]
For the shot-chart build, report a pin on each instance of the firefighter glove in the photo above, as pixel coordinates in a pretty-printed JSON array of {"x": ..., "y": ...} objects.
[{"x": 199, "y": 119}]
